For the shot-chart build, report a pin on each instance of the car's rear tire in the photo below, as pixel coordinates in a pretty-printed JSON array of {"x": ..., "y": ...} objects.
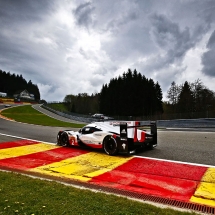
[
  {"x": 150, "y": 147},
  {"x": 110, "y": 146},
  {"x": 64, "y": 139}
]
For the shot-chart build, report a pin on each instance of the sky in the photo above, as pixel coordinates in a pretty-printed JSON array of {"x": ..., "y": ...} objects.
[{"x": 76, "y": 46}]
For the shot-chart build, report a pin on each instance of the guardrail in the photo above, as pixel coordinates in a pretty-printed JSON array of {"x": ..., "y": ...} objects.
[
  {"x": 175, "y": 123},
  {"x": 187, "y": 123},
  {"x": 69, "y": 116}
]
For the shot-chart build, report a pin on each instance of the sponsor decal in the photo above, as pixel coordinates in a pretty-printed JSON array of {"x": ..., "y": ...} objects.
[{"x": 119, "y": 123}]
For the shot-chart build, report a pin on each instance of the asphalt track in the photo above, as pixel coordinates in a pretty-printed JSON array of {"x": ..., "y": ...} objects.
[
  {"x": 192, "y": 180},
  {"x": 194, "y": 146}
]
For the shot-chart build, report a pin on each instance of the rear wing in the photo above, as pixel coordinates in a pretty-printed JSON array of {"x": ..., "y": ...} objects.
[
  {"x": 138, "y": 124},
  {"x": 151, "y": 124},
  {"x": 151, "y": 136}
]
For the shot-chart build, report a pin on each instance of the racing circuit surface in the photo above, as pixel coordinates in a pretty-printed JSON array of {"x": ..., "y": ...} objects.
[
  {"x": 140, "y": 174},
  {"x": 188, "y": 146}
]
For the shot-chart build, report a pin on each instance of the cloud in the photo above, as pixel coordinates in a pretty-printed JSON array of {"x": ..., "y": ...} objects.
[
  {"x": 171, "y": 40},
  {"x": 84, "y": 14},
  {"x": 24, "y": 11},
  {"x": 71, "y": 47},
  {"x": 208, "y": 57}
]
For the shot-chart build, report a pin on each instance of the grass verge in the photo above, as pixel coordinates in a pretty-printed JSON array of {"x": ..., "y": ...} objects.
[
  {"x": 28, "y": 114},
  {"x": 20, "y": 194},
  {"x": 58, "y": 106}
]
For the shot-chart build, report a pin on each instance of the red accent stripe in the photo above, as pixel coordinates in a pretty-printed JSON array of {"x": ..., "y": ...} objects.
[
  {"x": 41, "y": 158},
  {"x": 135, "y": 132},
  {"x": 94, "y": 146},
  {"x": 143, "y": 137},
  {"x": 5, "y": 145}
]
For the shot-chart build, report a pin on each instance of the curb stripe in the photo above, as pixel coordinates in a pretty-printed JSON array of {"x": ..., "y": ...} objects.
[
  {"x": 6, "y": 145},
  {"x": 177, "y": 181},
  {"x": 180, "y": 181},
  {"x": 163, "y": 168},
  {"x": 23, "y": 150},
  {"x": 37, "y": 159},
  {"x": 82, "y": 167},
  {"x": 205, "y": 192}
]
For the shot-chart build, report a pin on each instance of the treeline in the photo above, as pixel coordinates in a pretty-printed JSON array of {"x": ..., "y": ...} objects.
[
  {"x": 11, "y": 83},
  {"x": 189, "y": 97},
  {"x": 131, "y": 94},
  {"x": 82, "y": 103}
]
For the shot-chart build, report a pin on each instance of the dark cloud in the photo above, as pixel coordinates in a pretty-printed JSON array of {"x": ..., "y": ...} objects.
[
  {"x": 83, "y": 14},
  {"x": 17, "y": 19},
  {"x": 211, "y": 41},
  {"x": 117, "y": 23},
  {"x": 168, "y": 35},
  {"x": 24, "y": 11},
  {"x": 208, "y": 57},
  {"x": 76, "y": 46}
]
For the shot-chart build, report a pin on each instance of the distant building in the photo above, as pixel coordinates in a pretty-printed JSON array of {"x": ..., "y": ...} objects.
[
  {"x": 3, "y": 94},
  {"x": 23, "y": 94}
]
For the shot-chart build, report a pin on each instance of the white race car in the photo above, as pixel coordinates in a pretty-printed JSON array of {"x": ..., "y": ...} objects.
[{"x": 112, "y": 136}]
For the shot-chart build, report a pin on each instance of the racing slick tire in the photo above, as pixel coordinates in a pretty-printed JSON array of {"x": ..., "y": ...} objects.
[
  {"x": 110, "y": 146},
  {"x": 150, "y": 147},
  {"x": 64, "y": 139}
]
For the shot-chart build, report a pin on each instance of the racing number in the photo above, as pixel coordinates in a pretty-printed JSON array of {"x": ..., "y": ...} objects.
[{"x": 72, "y": 140}]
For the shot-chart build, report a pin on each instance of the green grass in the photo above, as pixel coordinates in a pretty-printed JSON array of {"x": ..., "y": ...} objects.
[
  {"x": 28, "y": 114},
  {"x": 58, "y": 106},
  {"x": 20, "y": 194}
]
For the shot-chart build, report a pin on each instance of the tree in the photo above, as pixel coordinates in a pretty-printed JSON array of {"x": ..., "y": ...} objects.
[
  {"x": 10, "y": 83},
  {"x": 82, "y": 103},
  {"x": 131, "y": 94},
  {"x": 159, "y": 98},
  {"x": 186, "y": 99},
  {"x": 173, "y": 93},
  {"x": 204, "y": 98}
]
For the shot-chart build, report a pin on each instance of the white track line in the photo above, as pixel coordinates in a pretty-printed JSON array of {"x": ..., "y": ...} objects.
[
  {"x": 179, "y": 162},
  {"x": 23, "y": 138}
]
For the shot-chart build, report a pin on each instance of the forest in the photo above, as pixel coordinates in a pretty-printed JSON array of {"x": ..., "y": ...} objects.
[
  {"x": 11, "y": 83},
  {"x": 130, "y": 94},
  {"x": 191, "y": 98}
]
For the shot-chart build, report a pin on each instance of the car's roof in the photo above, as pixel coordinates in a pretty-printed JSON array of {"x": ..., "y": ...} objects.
[{"x": 105, "y": 126}]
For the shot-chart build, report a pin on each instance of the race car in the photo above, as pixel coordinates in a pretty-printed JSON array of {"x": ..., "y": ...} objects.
[{"x": 112, "y": 136}]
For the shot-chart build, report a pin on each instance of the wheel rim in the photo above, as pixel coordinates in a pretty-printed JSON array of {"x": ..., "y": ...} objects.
[{"x": 110, "y": 146}]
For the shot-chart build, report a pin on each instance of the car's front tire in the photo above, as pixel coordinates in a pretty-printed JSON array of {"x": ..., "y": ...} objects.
[
  {"x": 64, "y": 139},
  {"x": 110, "y": 146}
]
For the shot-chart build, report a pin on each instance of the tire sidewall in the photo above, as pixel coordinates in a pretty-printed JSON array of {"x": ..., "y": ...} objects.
[
  {"x": 106, "y": 144},
  {"x": 64, "y": 139}
]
